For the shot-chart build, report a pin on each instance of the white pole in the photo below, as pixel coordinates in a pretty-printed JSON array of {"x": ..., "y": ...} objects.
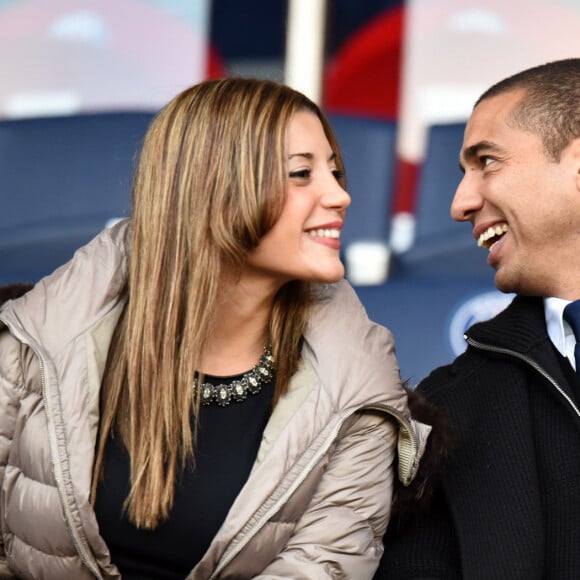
[{"x": 305, "y": 47}]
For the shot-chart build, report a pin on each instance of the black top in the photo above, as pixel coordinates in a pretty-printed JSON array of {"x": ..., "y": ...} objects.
[{"x": 228, "y": 442}]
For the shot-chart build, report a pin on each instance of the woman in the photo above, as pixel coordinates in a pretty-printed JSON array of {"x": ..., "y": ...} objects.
[{"x": 197, "y": 393}]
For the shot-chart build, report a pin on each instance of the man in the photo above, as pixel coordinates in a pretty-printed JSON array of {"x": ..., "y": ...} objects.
[{"x": 508, "y": 506}]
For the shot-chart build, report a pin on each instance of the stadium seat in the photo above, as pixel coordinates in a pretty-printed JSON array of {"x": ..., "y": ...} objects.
[
  {"x": 368, "y": 149},
  {"x": 62, "y": 180},
  {"x": 428, "y": 316},
  {"x": 441, "y": 246}
]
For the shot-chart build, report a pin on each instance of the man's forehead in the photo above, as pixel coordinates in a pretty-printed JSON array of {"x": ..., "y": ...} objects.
[
  {"x": 491, "y": 119},
  {"x": 497, "y": 108}
]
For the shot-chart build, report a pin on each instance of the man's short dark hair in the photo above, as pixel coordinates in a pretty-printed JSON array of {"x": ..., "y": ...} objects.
[{"x": 550, "y": 104}]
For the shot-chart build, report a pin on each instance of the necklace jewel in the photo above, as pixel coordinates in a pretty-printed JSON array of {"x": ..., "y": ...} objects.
[{"x": 238, "y": 390}]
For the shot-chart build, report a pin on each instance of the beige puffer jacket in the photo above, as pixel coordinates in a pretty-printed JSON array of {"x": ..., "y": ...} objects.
[{"x": 317, "y": 501}]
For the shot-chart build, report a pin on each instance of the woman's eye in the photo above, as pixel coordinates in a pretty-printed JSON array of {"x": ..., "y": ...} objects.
[
  {"x": 300, "y": 174},
  {"x": 338, "y": 174}
]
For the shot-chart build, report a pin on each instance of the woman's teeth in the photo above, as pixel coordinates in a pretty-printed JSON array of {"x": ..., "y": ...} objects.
[{"x": 324, "y": 233}]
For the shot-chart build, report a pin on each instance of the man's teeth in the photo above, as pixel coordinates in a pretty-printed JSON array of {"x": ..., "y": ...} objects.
[
  {"x": 491, "y": 233},
  {"x": 321, "y": 233}
]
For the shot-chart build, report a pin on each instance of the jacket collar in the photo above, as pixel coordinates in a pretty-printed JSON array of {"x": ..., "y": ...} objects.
[
  {"x": 76, "y": 296},
  {"x": 520, "y": 327}
]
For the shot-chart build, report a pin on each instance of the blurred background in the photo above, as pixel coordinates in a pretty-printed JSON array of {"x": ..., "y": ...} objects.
[{"x": 81, "y": 79}]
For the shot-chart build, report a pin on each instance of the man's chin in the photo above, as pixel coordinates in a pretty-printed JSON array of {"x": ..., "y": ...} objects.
[
  {"x": 517, "y": 285},
  {"x": 504, "y": 283}
]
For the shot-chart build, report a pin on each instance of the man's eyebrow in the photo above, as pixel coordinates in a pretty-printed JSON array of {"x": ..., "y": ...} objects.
[{"x": 470, "y": 153}]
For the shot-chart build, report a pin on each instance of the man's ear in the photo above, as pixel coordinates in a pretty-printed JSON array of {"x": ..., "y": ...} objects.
[{"x": 573, "y": 150}]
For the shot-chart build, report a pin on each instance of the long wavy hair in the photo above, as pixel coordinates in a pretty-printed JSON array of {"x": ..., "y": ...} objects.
[{"x": 210, "y": 183}]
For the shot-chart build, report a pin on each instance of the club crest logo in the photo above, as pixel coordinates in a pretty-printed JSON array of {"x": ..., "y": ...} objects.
[{"x": 476, "y": 309}]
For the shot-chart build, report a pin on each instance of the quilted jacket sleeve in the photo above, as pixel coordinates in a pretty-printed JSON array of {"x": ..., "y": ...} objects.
[
  {"x": 340, "y": 534},
  {"x": 11, "y": 385}
]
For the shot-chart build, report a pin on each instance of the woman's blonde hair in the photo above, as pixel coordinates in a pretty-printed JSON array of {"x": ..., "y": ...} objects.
[{"x": 210, "y": 183}]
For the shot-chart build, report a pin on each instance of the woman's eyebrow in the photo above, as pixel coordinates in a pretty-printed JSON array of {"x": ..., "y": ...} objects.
[
  {"x": 305, "y": 155},
  {"x": 310, "y": 156}
]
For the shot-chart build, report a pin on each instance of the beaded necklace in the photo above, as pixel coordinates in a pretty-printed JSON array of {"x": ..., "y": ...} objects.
[{"x": 250, "y": 382}]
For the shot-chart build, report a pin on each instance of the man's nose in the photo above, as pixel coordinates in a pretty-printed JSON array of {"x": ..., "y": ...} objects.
[{"x": 466, "y": 201}]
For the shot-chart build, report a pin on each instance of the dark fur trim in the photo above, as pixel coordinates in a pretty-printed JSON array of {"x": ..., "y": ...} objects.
[
  {"x": 13, "y": 291},
  {"x": 418, "y": 493}
]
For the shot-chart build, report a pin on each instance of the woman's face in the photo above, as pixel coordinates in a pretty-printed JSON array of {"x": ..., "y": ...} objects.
[{"x": 305, "y": 241}]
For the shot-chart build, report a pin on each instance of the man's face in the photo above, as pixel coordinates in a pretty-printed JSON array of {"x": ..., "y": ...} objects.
[{"x": 523, "y": 205}]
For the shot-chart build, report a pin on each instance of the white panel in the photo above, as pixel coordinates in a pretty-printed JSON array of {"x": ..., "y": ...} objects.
[{"x": 68, "y": 56}]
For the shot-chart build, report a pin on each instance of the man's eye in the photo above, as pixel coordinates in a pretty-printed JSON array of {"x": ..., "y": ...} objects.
[
  {"x": 486, "y": 160},
  {"x": 300, "y": 174}
]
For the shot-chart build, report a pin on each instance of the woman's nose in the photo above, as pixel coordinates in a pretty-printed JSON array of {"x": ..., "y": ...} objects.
[{"x": 336, "y": 195}]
